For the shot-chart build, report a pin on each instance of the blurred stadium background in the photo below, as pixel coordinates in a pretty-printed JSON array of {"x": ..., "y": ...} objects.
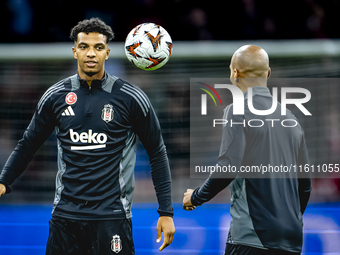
[{"x": 301, "y": 38}]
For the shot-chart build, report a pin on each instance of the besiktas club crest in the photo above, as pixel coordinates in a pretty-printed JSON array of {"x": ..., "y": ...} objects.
[
  {"x": 116, "y": 244},
  {"x": 107, "y": 113}
]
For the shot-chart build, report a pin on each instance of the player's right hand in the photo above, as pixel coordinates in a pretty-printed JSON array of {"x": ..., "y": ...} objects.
[{"x": 2, "y": 189}]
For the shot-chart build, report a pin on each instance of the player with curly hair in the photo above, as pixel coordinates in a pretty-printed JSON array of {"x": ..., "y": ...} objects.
[{"x": 97, "y": 118}]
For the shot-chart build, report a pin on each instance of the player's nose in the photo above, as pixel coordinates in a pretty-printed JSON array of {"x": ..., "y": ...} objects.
[{"x": 91, "y": 53}]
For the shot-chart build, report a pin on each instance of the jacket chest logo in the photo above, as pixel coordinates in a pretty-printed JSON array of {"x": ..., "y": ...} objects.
[
  {"x": 71, "y": 98},
  {"x": 107, "y": 113}
]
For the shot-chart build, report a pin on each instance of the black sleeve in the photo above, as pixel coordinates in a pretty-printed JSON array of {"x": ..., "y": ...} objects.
[
  {"x": 305, "y": 187},
  {"x": 208, "y": 190},
  {"x": 232, "y": 150},
  {"x": 146, "y": 126},
  {"x": 39, "y": 129}
]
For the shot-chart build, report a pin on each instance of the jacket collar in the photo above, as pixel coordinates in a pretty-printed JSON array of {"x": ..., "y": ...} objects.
[
  {"x": 95, "y": 83},
  {"x": 259, "y": 90}
]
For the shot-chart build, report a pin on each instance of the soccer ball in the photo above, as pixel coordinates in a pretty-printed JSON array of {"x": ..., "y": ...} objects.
[{"x": 148, "y": 46}]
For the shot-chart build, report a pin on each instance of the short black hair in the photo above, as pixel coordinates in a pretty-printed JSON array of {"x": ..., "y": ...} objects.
[{"x": 93, "y": 25}]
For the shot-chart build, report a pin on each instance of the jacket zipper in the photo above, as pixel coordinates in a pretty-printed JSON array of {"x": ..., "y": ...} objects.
[{"x": 88, "y": 107}]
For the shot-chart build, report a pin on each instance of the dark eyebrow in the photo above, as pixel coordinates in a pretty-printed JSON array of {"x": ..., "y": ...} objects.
[{"x": 97, "y": 44}]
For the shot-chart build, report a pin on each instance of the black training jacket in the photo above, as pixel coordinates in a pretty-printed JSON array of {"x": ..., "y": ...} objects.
[
  {"x": 96, "y": 129},
  {"x": 266, "y": 209}
]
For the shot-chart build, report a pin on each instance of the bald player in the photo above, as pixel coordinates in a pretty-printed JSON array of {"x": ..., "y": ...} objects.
[
  {"x": 249, "y": 62},
  {"x": 266, "y": 212}
]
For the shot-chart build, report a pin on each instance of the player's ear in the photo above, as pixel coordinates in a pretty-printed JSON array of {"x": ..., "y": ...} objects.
[
  {"x": 236, "y": 73},
  {"x": 107, "y": 53},
  {"x": 74, "y": 53},
  {"x": 269, "y": 72}
]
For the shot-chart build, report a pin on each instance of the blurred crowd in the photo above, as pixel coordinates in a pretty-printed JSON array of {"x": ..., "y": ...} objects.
[{"x": 50, "y": 21}]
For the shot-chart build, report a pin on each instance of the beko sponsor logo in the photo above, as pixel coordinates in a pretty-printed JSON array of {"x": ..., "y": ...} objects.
[{"x": 89, "y": 137}]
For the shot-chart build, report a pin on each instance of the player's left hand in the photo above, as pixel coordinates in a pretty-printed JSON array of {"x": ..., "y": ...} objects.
[
  {"x": 166, "y": 225},
  {"x": 187, "y": 205},
  {"x": 2, "y": 189}
]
